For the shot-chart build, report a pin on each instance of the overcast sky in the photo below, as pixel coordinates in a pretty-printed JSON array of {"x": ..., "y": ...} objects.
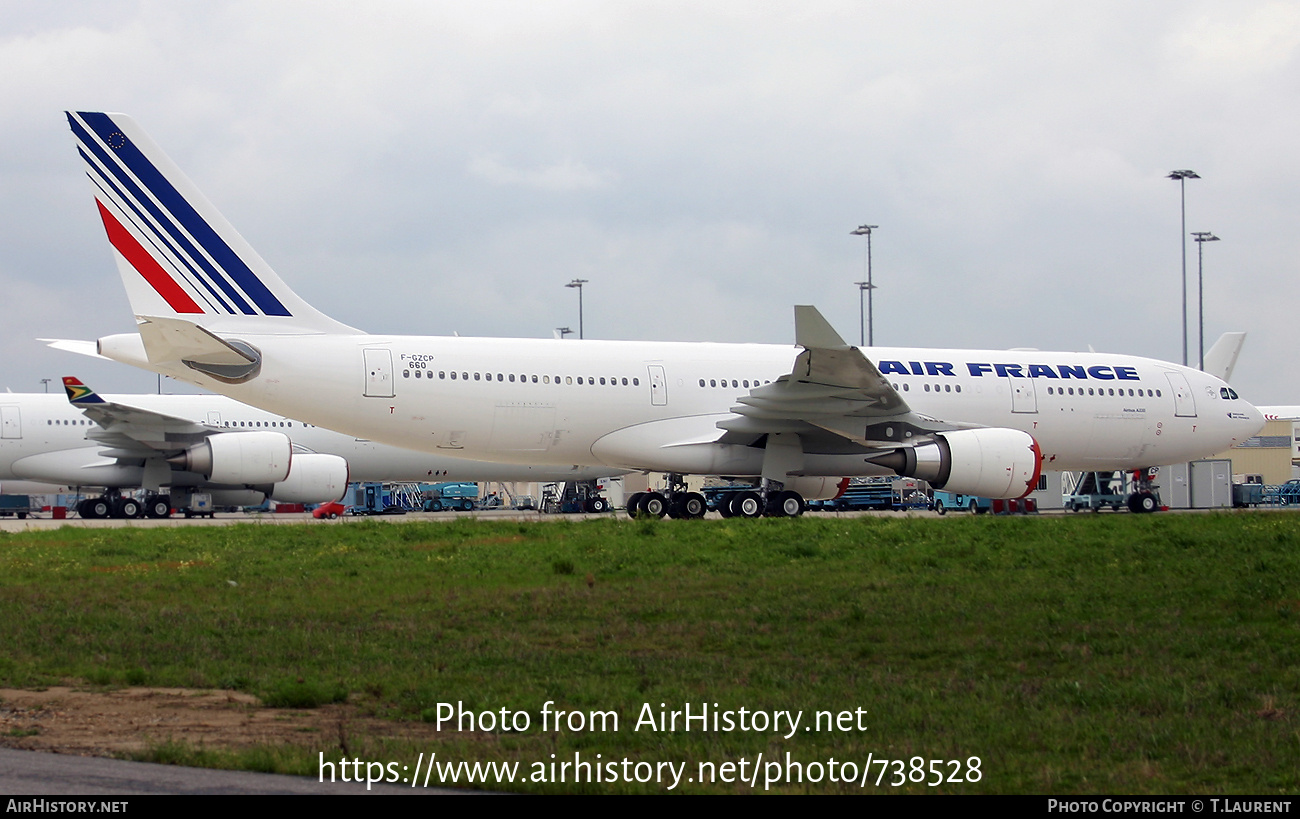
[{"x": 429, "y": 167}]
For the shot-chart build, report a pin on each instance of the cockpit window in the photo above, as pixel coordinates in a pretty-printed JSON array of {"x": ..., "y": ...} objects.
[{"x": 1228, "y": 392}]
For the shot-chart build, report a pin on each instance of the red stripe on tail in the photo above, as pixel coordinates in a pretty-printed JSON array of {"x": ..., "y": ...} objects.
[{"x": 145, "y": 265}]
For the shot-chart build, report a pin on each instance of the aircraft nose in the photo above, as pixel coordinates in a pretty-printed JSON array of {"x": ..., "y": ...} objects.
[{"x": 1247, "y": 420}]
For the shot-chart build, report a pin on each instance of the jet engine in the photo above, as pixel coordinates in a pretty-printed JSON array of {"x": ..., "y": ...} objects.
[
  {"x": 816, "y": 488},
  {"x": 312, "y": 479},
  {"x": 989, "y": 463},
  {"x": 239, "y": 458}
]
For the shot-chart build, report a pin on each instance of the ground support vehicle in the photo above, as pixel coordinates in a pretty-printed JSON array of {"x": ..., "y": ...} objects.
[
  {"x": 944, "y": 501},
  {"x": 573, "y": 496},
  {"x": 896, "y": 493},
  {"x": 459, "y": 496},
  {"x": 200, "y": 506},
  {"x": 1287, "y": 494},
  {"x": 19, "y": 505},
  {"x": 1096, "y": 490},
  {"x": 329, "y": 511},
  {"x": 1247, "y": 494},
  {"x": 861, "y": 493}
]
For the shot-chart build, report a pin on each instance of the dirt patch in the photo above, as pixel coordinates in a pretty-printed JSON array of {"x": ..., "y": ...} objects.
[{"x": 106, "y": 723}]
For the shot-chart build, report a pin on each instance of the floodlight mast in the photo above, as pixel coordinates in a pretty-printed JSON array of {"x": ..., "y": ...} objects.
[
  {"x": 1182, "y": 177},
  {"x": 578, "y": 283},
  {"x": 866, "y": 336},
  {"x": 1201, "y": 238}
]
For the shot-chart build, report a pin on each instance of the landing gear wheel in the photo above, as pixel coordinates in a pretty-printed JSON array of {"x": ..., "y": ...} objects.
[
  {"x": 158, "y": 506},
  {"x": 652, "y": 504},
  {"x": 675, "y": 510},
  {"x": 784, "y": 504},
  {"x": 724, "y": 506},
  {"x": 694, "y": 506},
  {"x": 98, "y": 508},
  {"x": 1142, "y": 502},
  {"x": 746, "y": 505},
  {"x": 597, "y": 505},
  {"x": 633, "y": 501},
  {"x": 126, "y": 508}
]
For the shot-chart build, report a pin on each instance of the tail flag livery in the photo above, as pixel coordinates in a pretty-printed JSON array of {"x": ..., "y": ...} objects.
[
  {"x": 79, "y": 395},
  {"x": 178, "y": 256}
]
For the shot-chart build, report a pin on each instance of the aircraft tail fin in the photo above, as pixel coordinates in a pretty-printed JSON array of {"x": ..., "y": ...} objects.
[
  {"x": 177, "y": 255},
  {"x": 1221, "y": 360},
  {"x": 79, "y": 395}
]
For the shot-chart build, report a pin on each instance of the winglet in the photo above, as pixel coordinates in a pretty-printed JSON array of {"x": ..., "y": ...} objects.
[
  {"x": 79, "y": 395},
  {"x": 1221, "y": 360},
  {"x": 813, "y": 331}
]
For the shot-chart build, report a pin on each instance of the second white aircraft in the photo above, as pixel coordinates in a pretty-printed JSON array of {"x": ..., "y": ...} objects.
[{"x": 210, "y": 311}]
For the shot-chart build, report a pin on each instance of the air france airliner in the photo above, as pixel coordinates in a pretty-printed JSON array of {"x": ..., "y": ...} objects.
[{"x": 799, "y": 420}]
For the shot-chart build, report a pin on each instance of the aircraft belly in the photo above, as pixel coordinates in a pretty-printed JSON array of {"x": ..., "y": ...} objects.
[
  {"x": 1116, "y": 438},
  {"x": 522, "y": 427},
  {"x": 82, "y": 466}
]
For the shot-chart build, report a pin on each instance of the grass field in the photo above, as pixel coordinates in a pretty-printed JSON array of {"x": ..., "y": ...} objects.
[{"x": 1080, "y": 654}]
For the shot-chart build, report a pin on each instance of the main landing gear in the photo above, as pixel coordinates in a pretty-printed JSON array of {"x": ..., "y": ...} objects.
[
  {"x": 680, "y": 504},
  {"x": 114, "y": 505},
  {"x": 677, "y": 502}
]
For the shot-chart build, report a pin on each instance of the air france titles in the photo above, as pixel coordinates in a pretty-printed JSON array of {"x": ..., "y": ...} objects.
[{"x": 1083, "y": 372}]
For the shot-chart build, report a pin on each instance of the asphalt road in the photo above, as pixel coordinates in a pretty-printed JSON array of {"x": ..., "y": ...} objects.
[{"x": 52, "y": 776}]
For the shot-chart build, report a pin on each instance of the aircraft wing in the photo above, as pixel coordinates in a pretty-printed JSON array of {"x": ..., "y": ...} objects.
[
  {"x": 833, "y": 387},
  {"x": 132, "y": 432}
]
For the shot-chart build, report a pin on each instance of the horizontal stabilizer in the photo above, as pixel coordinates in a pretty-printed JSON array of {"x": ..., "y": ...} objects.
[
  {"x": 167, "y": 340},
  {"x": 75, "y": 345}
]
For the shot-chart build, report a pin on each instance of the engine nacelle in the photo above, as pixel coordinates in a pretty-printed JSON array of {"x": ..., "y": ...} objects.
[
  {"x": 817, "y": 488},
  {"x": 237, "y": 497},
  {"x": 988, "y": 463},
  {"x": 312, "y": 479},
  {"x": 239, "y": 458}
]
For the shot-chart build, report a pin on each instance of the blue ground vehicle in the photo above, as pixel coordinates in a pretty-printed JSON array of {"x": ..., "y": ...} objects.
[
  {"x": 1287, "y": 494},
  {"x": 450, "y": 496},
  {"x": 20, "y": 505},
  {"x": 877, "y": 493},
  {"x": 943, "y": 501}
]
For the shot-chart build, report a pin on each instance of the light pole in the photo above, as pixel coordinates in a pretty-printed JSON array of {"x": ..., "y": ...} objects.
[
  {"x": 1182, "y": 177},
  {"x": 46, "y": 382},
  {"x": 863, "y": 287},
  {"x": 578, "y": 283},
  {"x": 1201, "y": 238},
  {"x": 867, "y": 286}
]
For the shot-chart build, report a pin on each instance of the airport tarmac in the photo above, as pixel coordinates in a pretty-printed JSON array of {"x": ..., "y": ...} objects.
[{"x": 35, "y": 524}]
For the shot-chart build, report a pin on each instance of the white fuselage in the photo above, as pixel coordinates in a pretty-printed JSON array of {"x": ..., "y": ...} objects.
[
  {"x": 655, "y": 406},
  {"x": 44, "y": 439}
]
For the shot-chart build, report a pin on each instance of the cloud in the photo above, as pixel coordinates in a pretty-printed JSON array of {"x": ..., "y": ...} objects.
[{"x": 568, "y": 175}]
